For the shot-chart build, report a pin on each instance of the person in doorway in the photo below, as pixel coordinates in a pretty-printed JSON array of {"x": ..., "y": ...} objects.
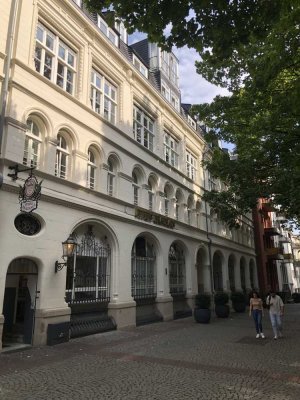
[
  {"x": 257, "y": 312},
  {"x": 276, "y": 308}
]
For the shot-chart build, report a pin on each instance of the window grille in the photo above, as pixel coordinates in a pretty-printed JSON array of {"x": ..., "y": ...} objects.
[
  {"x": 143, "y": 276},
  {"x": 88, "y": 272},
  {"x": 176, "y": 270}
]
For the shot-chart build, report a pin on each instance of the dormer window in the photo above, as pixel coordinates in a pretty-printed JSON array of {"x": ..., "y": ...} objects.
[
  {"x": 108, "y": 32},
  {"x": 191, "y": 122},
  {"x": 122, "y": 31},
  {"x": 140, "y": 66}
]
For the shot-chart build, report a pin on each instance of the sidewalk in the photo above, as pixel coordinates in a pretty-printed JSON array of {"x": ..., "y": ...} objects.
[{"x": 171, "y": 360}]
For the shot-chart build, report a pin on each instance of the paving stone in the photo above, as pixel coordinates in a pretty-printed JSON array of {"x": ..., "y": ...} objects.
[{"x": 170, "y": 360}]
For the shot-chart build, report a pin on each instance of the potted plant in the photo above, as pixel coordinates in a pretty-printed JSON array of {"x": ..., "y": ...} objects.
[
  {"x": 221, "y": 304},
  {"x": 238, "y": 301},
  {"x": 202, "y": 312}
]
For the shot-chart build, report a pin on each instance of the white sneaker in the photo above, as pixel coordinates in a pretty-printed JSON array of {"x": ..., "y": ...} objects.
[
  {"x": 257, "y": 336},
  {"x": 262, "y": 335},
  {"x": 275, "y": 338}
]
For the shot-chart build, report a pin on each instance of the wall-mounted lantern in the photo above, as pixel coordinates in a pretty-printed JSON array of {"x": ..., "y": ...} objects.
[{"x": 69, "y": 247}]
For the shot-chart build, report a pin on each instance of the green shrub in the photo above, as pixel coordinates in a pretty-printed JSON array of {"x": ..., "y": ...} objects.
[
  {"x": 237, "y": 297},
  {"x": 221, "y": 298},
  {"x": 202, "y": 301}
]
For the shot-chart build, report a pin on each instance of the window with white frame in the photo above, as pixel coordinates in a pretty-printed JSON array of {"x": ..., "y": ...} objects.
[
  {"x": 143, "y": 128},
  {"x": 103, "y": 96},
  {"x": 54, "y": 59},
  {"x": 150, "y": 195},
  {"x": 175, "y": 101},
  {"x": 189, "y": 210},
  {"x": 190, "y": 165},
  {"x": 171, "y": 150},
  {"x": 191, "y": 122},
  {"x": 140, "y": 66},
  {"x": 135, "y": 188},
  {"x": 173, "y": 70},
  {"x": 165, "y": 90},
  {"x": 91, "y": 169},
  {"x": 111, "y": 174},
  {"x": 62, "y": 157},
  {"x": 32, "y": 144},
  {"x": 108, "y": 32},
  {"x": 212, "y": 185},
  {"x": 122, "y": 31}
]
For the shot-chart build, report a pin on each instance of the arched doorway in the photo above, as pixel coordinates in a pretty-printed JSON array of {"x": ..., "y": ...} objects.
[
  {"x": 203, "y": 273},
  {"x": 252, "y": 274},
  {"x": 88, "y": 281},
  {"x": 177, "y": 280},
  {"x": 231, "y": 274},
  {"x": 19, "y": 302},
  {"x": 217, "y": 272},
  {"x": 143, "y": 279},
  {"x": 243, "y": 273}
]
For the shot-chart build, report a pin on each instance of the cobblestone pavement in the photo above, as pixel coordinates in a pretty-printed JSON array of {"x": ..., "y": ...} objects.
[{"x": 170, "y": 360}]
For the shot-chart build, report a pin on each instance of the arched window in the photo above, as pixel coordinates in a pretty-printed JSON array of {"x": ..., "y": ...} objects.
[
  {"x": 243, "y": 274},
  {"x": 176, "y": 269},
  {"x": 62, "y": 157},
  {"x": 178, "y": 198},
  {"x": 189, "y": 210},
  {"x": 143, "y": 277},
  {"x": 150, "y": 195},
  {"x": 32, "y": 144},
  {"x": 91, "y": 169},
  {"x": 217, "y": 272},
  {"x": 111, "y": 175},
  {"x": 198, "y": 213},
  {"x": 135, "y": 188},
  {"x": 167, "y": 192},
  {"x": 88, "y": 270},
  {"x": 231, "y": 274}
]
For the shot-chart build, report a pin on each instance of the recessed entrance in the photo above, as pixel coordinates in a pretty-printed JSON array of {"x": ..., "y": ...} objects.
[{"x": 19, "y": 303}]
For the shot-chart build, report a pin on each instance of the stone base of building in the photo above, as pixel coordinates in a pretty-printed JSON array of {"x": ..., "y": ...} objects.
[
  {"x": 45, "y": 317},
  {"x": 124, "y": 314},
  {"x": 165, "y": 306}
]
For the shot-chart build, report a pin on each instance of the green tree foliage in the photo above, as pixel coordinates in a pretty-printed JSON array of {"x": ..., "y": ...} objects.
[{"x": 252, "y": 48}]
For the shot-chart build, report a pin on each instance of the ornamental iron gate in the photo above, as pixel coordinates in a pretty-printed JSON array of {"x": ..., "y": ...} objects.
[
  {"x": 88, "y": 272},
  {"x": 176, "y": 270},
  {"x": 143, "y": 278}
]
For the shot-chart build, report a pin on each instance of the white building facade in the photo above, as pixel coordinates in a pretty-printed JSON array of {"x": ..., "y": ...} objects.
[{"x": 121, "y": 171}]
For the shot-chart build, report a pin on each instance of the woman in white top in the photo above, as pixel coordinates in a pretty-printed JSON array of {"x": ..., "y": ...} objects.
[{"x": 257, "y": 311}]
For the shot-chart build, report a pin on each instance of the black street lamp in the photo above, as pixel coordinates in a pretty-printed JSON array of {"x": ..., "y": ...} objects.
[{"x": 69, "y": 247}]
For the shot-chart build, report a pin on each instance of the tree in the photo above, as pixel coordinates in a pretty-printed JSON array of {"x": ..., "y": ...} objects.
[{"x": 252, "y": 48}]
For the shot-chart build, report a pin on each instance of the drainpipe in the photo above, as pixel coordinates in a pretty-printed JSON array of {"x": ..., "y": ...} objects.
[{"x": 7, "y": 62}]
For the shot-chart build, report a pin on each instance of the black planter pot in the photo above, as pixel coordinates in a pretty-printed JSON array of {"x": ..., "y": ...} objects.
[
  {"x": 202, "y": 315},
  {"x": 222, "y": 311},
  {"x": 239, "y": 307}
]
